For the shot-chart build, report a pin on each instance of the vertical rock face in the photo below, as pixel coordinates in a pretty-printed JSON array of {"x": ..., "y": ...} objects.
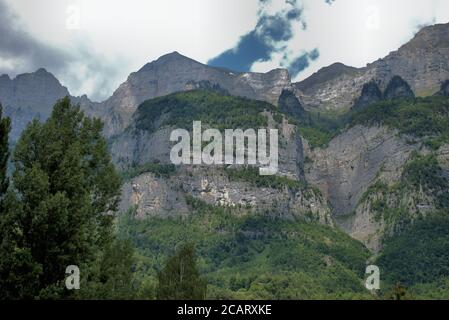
[
  {"x": 345, "y": 169},
  {"x": 140, "y": 145},
  {"x": 398, "y": 88},
  {"x": 370, "y": 94},
  {"x": 354, "y": 162},
  {"x": 290, "y": 197},
  {"x": 290, "y": 105}
]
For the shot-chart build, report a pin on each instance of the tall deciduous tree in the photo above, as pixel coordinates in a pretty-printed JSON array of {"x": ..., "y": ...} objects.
[
  {"x": 60, "y": 211},
  {"x": 180, "y": 278}
]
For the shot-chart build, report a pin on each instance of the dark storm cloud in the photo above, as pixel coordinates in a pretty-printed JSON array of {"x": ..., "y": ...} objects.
[
  {"x": 17, "y": 44},
  {"x": 30, "y": 54}
]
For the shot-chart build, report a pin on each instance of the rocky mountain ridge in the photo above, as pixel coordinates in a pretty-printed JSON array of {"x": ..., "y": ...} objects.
[
  {"x": 423, "y": 62},
  {"x": 173, "y": 73},
  {"x": 337, "y": 176}
]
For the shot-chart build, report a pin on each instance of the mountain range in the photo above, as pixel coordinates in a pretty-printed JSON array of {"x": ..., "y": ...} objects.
[
  {"x": 363, "y": 150},
  {"x": 422, "y": 63}
]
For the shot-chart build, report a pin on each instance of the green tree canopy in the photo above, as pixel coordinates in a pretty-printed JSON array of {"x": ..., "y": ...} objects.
[{"x": 61, "y": 207}]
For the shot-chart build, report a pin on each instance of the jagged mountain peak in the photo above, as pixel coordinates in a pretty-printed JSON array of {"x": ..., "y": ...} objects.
[
  {"x": 170, "y": 58},
  {"x": 41, "y": 73},
  {"x": 175, "y": 55}
]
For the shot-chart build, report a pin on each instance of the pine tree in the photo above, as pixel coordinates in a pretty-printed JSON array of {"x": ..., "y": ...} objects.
[
  {"x": 180, "y": 278},
  {"x": 60, "y": 211}
]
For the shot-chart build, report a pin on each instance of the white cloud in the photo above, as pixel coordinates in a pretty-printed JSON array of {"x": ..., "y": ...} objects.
[{"x": 357, "y": 32}]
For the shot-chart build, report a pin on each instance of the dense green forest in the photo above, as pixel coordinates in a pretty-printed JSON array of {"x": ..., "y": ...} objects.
[
  {"x": 214, "y": 109},
  {"x": 252, "y": 256}
]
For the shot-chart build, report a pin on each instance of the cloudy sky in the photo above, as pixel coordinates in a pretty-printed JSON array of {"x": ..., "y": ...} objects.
[{"x": 92, "y": 45}]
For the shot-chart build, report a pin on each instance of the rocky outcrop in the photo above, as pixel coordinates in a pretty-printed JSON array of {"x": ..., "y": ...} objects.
[
  {"x": 169, "y": 196},
  {"x": 290, "y": 105},
  {"x": 152, "y": 196},
  {"x": 398, "y": 88},
  {"x": 205, "y": 85},
  {"x": 370, "y": 94},
  {"x": 422, "y": 62}
]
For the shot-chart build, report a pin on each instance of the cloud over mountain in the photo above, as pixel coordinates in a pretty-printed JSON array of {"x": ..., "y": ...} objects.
[
  {"x": 20, "y": 50},
  {"x": 116, "y": 37}
]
